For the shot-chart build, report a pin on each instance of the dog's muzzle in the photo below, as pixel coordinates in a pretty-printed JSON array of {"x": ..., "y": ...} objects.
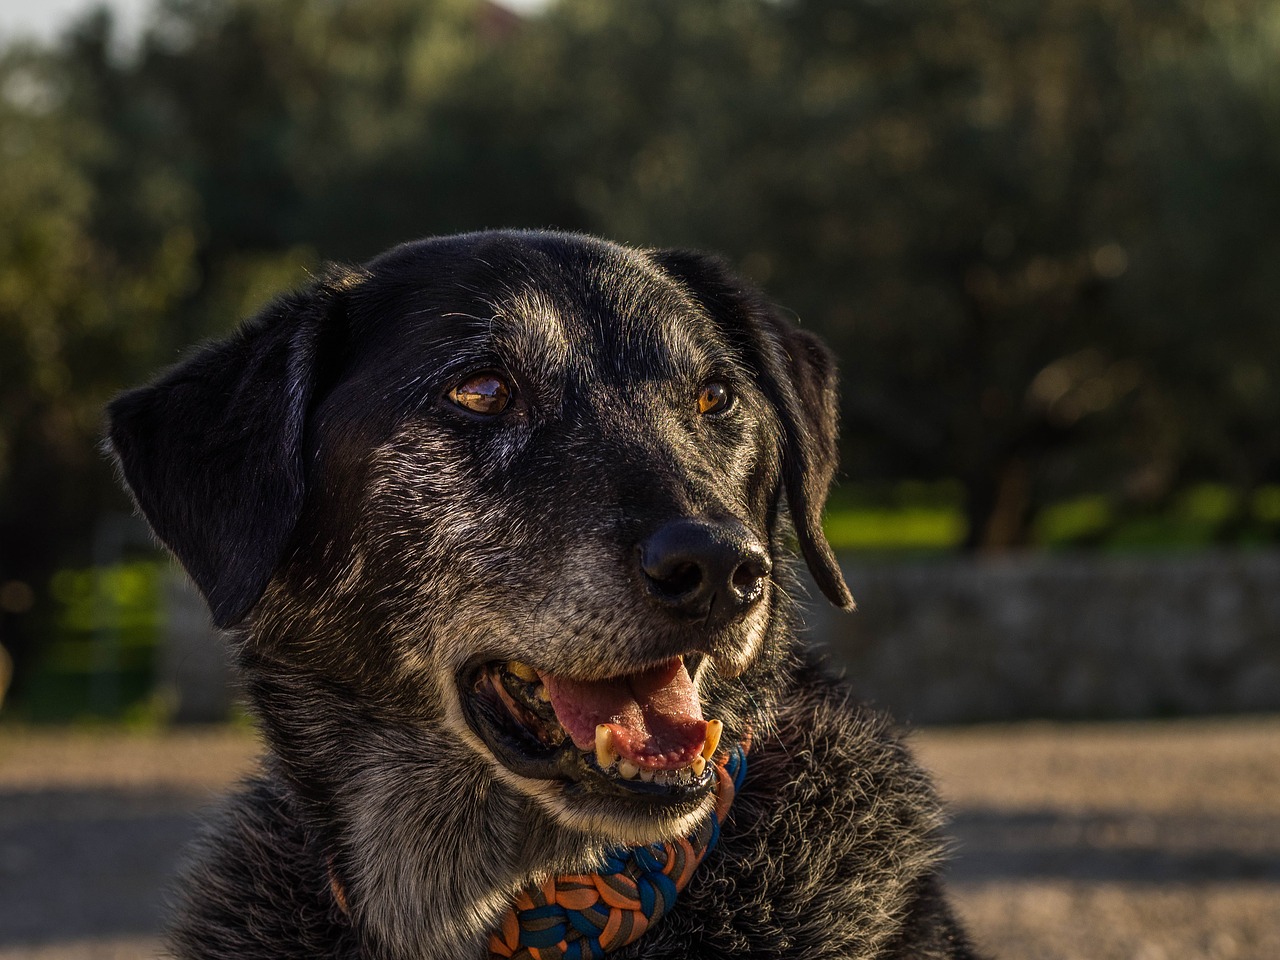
[{"x": 640, "y": 735}]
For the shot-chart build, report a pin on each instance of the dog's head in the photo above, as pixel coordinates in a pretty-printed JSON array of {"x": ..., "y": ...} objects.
[{"x": 523, "y": 490}]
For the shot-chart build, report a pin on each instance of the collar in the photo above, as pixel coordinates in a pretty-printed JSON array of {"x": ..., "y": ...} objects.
[{"x": 585, "y": 916}]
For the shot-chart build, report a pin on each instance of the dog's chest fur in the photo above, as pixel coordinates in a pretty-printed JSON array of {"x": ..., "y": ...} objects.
[{"x": 830, "y": 851}]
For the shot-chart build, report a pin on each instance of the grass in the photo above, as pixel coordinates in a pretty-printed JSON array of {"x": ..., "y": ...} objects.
[
  {"x": 930, "y": 517},
  {"x": 909, "y": 528},
  {"x": 1201, "y": 516}
]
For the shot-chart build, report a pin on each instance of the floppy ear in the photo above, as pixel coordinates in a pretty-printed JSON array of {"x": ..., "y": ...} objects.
[
  {"x": 798, "y": 374},
  {"x": 212, "y": 449}
]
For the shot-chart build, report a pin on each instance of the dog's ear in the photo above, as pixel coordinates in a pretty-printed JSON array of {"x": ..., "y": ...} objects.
[
  {"x": 212, "y": 449},
  {"x": 798, "y": 374}
]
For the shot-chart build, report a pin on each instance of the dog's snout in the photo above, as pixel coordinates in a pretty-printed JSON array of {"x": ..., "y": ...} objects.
[{"x": 701, "y": 570}]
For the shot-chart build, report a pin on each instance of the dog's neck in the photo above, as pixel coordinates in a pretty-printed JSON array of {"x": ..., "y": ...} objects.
[
  {"x": 598, "y": 908},
  {"x": 433, "y": 877},
  {"x": 595, "y": 914},
  {"x": 429, "y": 849}
]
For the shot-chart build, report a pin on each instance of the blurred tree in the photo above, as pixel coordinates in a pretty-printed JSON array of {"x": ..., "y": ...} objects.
[
  {"x": 341, "y": 126},
  {"x": 149, "y": 201},
  {"x": 1204, "y": 301},
  {"x": 952, "y": 193},
  {"x": 90, "y": 267}
]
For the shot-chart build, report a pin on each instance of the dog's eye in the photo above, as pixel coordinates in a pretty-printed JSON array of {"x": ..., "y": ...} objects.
[
  {"x": 714, "y": 398},
  {"x": 484, "y": 393}
]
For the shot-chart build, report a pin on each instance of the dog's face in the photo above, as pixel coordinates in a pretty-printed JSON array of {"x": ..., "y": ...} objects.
[{"x": 525, "y": 491}]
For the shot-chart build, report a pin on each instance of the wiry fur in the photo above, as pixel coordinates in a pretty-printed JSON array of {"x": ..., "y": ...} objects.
[{"x": 369, "y": 544}]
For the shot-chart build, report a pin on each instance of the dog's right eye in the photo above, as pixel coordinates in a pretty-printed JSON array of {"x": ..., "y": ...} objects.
[
  {"x": 484, "y": 393},
  {"x": 714, "y": 398}
]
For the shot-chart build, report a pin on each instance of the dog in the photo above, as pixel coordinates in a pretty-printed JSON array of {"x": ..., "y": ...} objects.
[{"x": 499, "y": 526}]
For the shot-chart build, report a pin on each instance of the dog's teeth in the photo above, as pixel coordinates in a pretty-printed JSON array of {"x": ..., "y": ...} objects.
[
  {"x": 714, "y": 729},
  {"x": 604, "y": 746},
  {"x": 540, "y": 693},
  {"x": 522, "y": 670},
  {"x": 628, "y": 769},
  {"x": 699, "y": 764},
  {"x": 646, "y": 774}
]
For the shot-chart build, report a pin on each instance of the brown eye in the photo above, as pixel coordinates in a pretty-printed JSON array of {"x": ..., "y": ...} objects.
[
  {"x": 714, "y": 398},
  {"x": 483, "y": 393}
]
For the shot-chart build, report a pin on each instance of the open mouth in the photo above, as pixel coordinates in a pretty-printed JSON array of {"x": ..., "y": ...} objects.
[{"x": 640, "y": 734}]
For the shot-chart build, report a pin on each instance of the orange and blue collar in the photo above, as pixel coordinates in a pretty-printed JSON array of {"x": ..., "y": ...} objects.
[{"x": 585, "y": 916}]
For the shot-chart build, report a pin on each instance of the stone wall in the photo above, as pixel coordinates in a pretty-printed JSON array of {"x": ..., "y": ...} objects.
[
  {"x": 956, "y": 641},
  {"x": 1067, "y": 637}
]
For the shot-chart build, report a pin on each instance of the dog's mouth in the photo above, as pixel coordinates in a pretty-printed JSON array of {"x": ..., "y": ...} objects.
[{"x": 640, "y": 734}]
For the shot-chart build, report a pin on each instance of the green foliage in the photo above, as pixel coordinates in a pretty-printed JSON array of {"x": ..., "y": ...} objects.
[
  {"x": 88, "y": 279},
  {"x": 99, "y": 658},
  {"x": 980, "y": 206}
]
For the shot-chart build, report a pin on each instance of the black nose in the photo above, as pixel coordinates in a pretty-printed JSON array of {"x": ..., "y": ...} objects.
[{"x": 705, "y": 571}]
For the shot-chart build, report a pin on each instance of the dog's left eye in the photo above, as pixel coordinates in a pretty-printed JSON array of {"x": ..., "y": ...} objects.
[
  {"x": 714, "y": 398},
  {"x": 484, "y": 393}
]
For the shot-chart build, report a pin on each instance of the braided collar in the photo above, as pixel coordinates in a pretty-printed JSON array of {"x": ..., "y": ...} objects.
[{"x": 585, "y": 916}]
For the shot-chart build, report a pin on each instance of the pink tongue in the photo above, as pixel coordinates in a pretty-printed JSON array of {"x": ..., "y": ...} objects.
[{"x": 655, "y": 715}]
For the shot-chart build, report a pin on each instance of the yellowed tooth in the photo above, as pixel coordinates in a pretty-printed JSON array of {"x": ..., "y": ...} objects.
[
  {"x": 646, "y": 774},
  {"x": 699, "y": 764},
  {"x": 714, "y": 729},
  {"x": 604, "y": 745},
  {"x": 522, "y": 670},
  {"x": 628, "y": 769},
  {"x": 540, "y": 693}
]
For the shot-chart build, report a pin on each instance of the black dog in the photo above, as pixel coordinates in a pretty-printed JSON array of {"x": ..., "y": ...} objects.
[{"x": 500, "y": 524}]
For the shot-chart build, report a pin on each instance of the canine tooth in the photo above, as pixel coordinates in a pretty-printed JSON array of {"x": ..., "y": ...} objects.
[
  {"x": 540, "y": 692},
  {"x": 604, "y": 745},
  {"x": 522, "y": 670},
  {"x": 699, "y": 764},
  {"x": 628, "y": 769},
  {"x": 714, "y": 729}
]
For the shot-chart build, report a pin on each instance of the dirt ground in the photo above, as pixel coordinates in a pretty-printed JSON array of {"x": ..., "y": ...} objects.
[{"x": 1156, "y": 841}]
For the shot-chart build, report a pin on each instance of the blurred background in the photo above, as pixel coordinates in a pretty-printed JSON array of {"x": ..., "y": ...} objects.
[{"x": 1042, "y": 235}]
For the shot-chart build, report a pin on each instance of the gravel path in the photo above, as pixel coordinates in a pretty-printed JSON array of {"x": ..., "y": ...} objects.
[
  {"x": 1116, "y": 842},
  {"x": 1112, "y": 842}
]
